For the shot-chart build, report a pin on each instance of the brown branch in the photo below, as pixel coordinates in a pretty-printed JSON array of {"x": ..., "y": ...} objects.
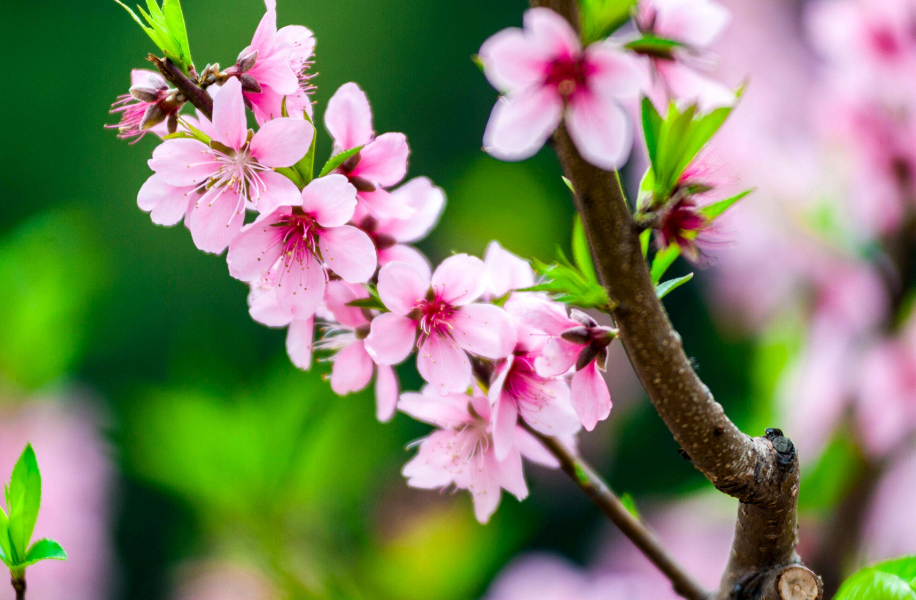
[
  {"x": 194, "y": 93},
  {"x": 594, "y": 487},
  {"x": 761, "y": 472},
  {"x": 19, "y": 585}
]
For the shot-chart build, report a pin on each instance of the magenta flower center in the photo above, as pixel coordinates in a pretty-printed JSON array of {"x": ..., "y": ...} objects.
[
  {"x": 435, "y": 315},
  {"x": 885, "y": 42},
  {"x": 525, "y": 386},
  {"x": 569, "y": 75},
  {"x": 299, "y": 236}
]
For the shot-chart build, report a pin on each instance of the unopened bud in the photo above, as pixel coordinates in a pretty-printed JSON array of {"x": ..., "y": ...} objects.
[
  {"x": 152, "y": 117},
  {"x": 588, "y": 354},
  {"x": 577, "y": 335},
  {"x": 144, "y": 94},
  {"x": 172, "y": 123},
  {"x": 362, "y": 185},
  {"x": 581, "y": 317},
  {"x": 351, "y": 163},
  {"x": 250, "y": 84},
  {"x": 246, "y": 62}
]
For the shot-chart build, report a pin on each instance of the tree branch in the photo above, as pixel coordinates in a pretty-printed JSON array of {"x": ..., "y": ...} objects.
[
  {"x": 195, "y": 95},
  {"x": 19, "y": 585},
  {"x": 594, "y": 487},
  {"x": 761, "y": 472}
]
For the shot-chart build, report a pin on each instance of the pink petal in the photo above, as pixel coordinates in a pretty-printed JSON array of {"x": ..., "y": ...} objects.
[
  {"x": 166, "y": 203},
  {"x": 391, "y": 338},
  {"x": 427, "y": 202},
  {"x": 330, "y": 200},
  {"x": 214, "y": 222},
  {"x": 486, "y": 494},
  {"x": 384, "y": 160},
  {"x": 541, "y": 313},
  {"x": 484, "y": 329},
  {"x": 505, "y": 418},
  {"x": 348, "y": 117},
  {"x": 521, "y": 123},
  {"x": 277, "y": 191},
  {"x": 267, "y": 105},
  {"x": 349, "y": 252},
  {"x": 401, "y": 287},
  {"x": 267, "y": 28},
  {"x": 263, "y": 307},
  {"x": 505, "y": 271},
  {"x": 183, "y": 162},
  {"x": 338, "y": 295},
  {"x": 300, "y": 286},
  {"x": 432, "y": 467},
  {"x": 255, "y": 250},
  {"x": 229, "y": 121},
  {"x": 532, "y": 449},
  {"x": 698, "y": 23},
  {"x": 556, "y": 415},
  {"x": 282, "y": 142},
  {"x": 616, "y": 73},
  {"x": 406, "y": 254},
  {"x": 512, "y": 60},
  {"x": 301, "y": 42},
  {"x": 557, "y": 357},
  {"x": 600, "y": 129},
  {"x": 386, "y": 393},
  {"x": 691, "y": 86},
  {"x": 551, "y": 32},
  {"x": 590, "y": 396},
  {"x": 459, "y": 279},
  {"x": 383, "y": 205},
  {"x": 146, "y": 78},
  {"x": 449, "y": 411},
  {"x": 509, "y": 473},
  {"x": 299, "y": 339},
  {"x": 352, "y": 369},
  {"x": 442, "y": 363}
]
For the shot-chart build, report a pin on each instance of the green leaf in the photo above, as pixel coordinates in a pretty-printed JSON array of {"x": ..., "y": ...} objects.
[
  {"x": 600, "y": 18},
  {"x": 664, "y": 259},
  {"x": 885, "y": 581},
  {"x": 44, "y": 550},
  {"x": 644, "y": 238},
  {"x": 5, "y": 549},
  {"x": 166, "y": 29},
  {"x": 337, "y": 160},
  {"x": 714, "y": 210},
  {"x": 367, "y": 303},
  {"x": 174, "y": 20},
  {"x": 565, "y": 283},
  {"x": 582, "y": 253},
  {"x": 630, "y": 504},
  {"x": 23, "y": 497},
  {"x": 652, "y": 127},
  {"x": 663, "y": 289},
  {"x": 654, "y": 46},
  {"x": 568, "y": 184}
]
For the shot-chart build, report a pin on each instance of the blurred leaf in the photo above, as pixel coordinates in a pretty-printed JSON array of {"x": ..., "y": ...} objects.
[
  {"x": 565, "y": 283},
  {"x": 337, "y": 160},
  {"x": 892, "y": 580},
  {"x": 600, "y": 18},
  {"x": 166, "y": 29},
  {"x": 654, "y": 46},
  {"x": 373, "y": 303},
  {"x": 714, "y": 210},
  {"x": 663, "y": 289},
  {"x": 44, "y": 550},
  {"x": 833, "y": 476},
  {"x": 630, "y": 504},
  {"x": 6, "y": 553},
  {"x": 582, "y": 253},
  {"x": 644, "y": 238},
  {"x": 662, "y": 260},
  {"x": 23, "y": 499}
]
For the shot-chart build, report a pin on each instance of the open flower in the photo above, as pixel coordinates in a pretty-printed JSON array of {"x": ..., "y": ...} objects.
[
  {"x": 392, "y": 234},
  {"x": 461, "y": 452},
  {"x": 545, "y": 75},
  {"x": 150, "y": 106},
  {"x": 382, "y": 161},
  {"x": 695, "y": 24},
  {"x": 298, "y": 244},
  {"x": 440, "y": 309},
  {"x": 233, "y": 171},
  {"x": 353, "y": 367}
]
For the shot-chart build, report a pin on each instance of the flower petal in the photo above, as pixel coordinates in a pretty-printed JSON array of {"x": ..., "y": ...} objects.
[
  {"x": 299, "y": 339},
  {"x": 557, "y": 357},
  {"x": 445, "y": 365},
  {"x": 391, "y": 338},
  {"x": 338, "y": 295},
  {"x": 521, "y": 123},
  {"x": 505, "y": 271},
  {"x": 277, "y": 191},
  {"x": 690, "y": 86},
  {"x": 513, "y": 60},
  {"x": 553, "y": 33},
  {"x": 555, "y": 415},
  {"x": 348, "y": 117},
  {"x": 255, "y": 250},
  {"x": 448, "y": 412},
  {"x": 459, "y": 279},
  {"x": 263, "y": 307},
  {"x": 167, "y": 204},
  {"x": 382, "y": 205},
  {"x": 300, "y": 286},
  {"x": 532, "y": 449},
  {"x": 505, "y": 419},
  {"x": 349, "y": 252},
  {"x": 384, "y": 160},
  {"x": 406, "y": 254},
  {"x": 615, "y": 73},
  {"x": 510, "y": 474},
  {"x": 590, "y": 396},
  {"x": 401, "y": 287},
  {"x": 229, "y": 121},
  {"x": 484, "y": 329},
  {"x": 352, "y": 369},
  {"x": 427, "y": 202},
  {"x": 432, "y": 466},
  {"x": 215, "y": 219},
  {"x": 282, "y": 142},
  {"x": 600, "y": 129},
  {"x": 330, "y": 200},
  {"x": 183, "y": 162},
  {"x": 386, "y": 393},
  {"x": 698, "y": 23}
]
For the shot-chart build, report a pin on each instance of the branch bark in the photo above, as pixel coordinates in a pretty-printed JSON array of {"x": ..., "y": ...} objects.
[
  {"x": 194, "y": 93},
  {"x": 594, "y": 487},
  {"x": 19, "y": 585},
  {"x": 762, "y": 473}
]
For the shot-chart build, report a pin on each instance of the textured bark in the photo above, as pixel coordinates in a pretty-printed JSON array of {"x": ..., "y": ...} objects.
[{"x": 760, "y": 472}]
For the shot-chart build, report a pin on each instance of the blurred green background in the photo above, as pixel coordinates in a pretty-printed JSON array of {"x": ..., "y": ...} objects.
[{"x": 221, "y": 449}]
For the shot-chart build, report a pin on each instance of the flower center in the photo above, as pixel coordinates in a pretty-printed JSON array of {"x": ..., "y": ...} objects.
[
  {"x": 568, "y": 74},
  {"x": 238, "y": 172},
  {"x": 435, "y": 316},
  {"x": 299, "y": 237}
]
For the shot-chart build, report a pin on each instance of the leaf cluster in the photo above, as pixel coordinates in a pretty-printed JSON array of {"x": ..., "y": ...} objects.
[
  {"x": 166, "y": 27},
  {"x": 891, "y": 580}
]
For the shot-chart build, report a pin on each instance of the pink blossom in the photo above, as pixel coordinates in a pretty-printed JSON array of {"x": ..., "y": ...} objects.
[
  {"x": 300, "y": 243},
  {"x": 519, "y": 391},
  {"x": 265, "y": 309},
  {"x": 545, "y": 75},
  {"x": 274, "y": 67},
  {"x": 392, "y": 235},
  {"x": 353, "y": 366},
  {"x": 150, "y": 106},
  {"x": 382, "y": 161},
  {"x": 450, "y": 325},
  {"x": 695, "y": 24},
  {"x": 234, "y": 171},
  {"x": 461, "y": 452},
  {"x": 505, "y": 272}
]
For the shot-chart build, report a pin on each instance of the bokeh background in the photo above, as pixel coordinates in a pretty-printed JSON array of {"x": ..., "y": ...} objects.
[{"x": 184, "y": 456}]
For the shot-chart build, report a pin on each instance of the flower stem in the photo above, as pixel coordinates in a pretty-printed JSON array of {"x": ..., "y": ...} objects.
[
  {"x": 631, "y": 526},
  {"x": 194, "y": 93},
  {"x": 19, "y": 585}
]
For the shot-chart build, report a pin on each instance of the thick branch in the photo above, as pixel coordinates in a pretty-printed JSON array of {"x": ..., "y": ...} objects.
[
  {"x": 195, "y": 95},
  {"x": 594, "y": 487},
  {"x": 761, "y": 472}
]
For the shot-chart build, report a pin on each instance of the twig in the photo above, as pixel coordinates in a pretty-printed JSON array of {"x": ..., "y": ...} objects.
[
  {"x": 19, "y": 585},
  {"x": 195, "y": 95},
  {"x": 594, "y": 487}
]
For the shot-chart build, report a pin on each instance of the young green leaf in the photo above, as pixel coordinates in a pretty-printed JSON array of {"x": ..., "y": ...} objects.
[
  {"x": 567, "y": 284},
  {"x": 663, "y": 289},
  {"x": 166, "y": 29},
  {"x": 664, "y": 259},
  {"x": 714, "y": 210},
  {"x": 652, "y": 127},
  {"x": 174, "y": 20},
  {"x": 44, "y": 550},
  {"x": 6, "y": 554},
  {"x": 630, "y": 504},
  {"x": 600, "y": 18},
  {"x": 582, "y": 253},
  {"x": 374, "y": 303},
  {"x": 337, "y": 160},
  {"x": 891, "y": 580},
  {"x": 23, "y": 501},
  {"x": 644, "y": 238},
  {"x": 654, "y": 46}
]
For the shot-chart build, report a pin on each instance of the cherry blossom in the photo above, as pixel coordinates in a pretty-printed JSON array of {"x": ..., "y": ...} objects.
[
  {"x": 441, "y": 309},
  {"x": 506, "y": 272},
  {"x": 695, "y": 24},
  {"x": 150, "y": 106},
  {"x": 299, "y": 243},
  {"x": 382, "y": 160},
  {"x": 234, "y": 171},
  {"x": 546, "y": 76},
  {"x": 461, "y": 453}
]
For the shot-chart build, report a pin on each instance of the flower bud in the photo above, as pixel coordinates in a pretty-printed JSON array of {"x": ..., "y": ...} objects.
[
  {"x": 250, "y": 84},
  {"x": 587, "y": 355},
  {"x": 581, "y": 317},
  {"x": 153, "y": 116},
  {"x": 246, "y": 62},
  {"x": 577, "y": 335},
  {"x": 362, "y": 185},
  {"x": 145, "y": 94}
]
